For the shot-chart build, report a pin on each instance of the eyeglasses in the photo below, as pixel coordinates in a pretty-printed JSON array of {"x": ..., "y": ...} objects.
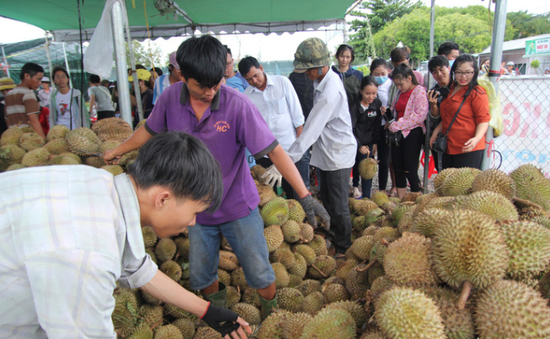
[
  {"x": 60, "y": 77},
  {"x": 459, "y": 74}
]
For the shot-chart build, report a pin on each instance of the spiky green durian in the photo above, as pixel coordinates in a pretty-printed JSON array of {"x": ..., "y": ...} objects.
[
  {"x": 275, "y": 212},
  {"x": 30, "y": 141},
  {"x": 459, "y": 182},
  {"x": 491, "y": 203},
  {"x": 532, "y": 185},
  {"x": 368, "y": 168},
  {"x": 57, "y": 132},
  {"x": 36, "y": 157},
  {"x": 496, "y": 181},
  {"x": 83, "y": 141},
  {"x": 330, "y": 324},
  {"x": 11, "y": 136}
]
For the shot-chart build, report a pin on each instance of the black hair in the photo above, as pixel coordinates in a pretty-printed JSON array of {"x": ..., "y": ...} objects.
[
  {"x": 59, "y": 69},
  {"x": 181, "y": 163},
  {"x": 158, "y": 70},
  {"x": 437, "y": 61},
  {"x": 140, "y": 66},
  {"x": 228, "y": 50},
  {"x": 246, "y": 64},
  {"x": 463, "y": 58},
  {"x": 203, "y": 59},
  {"x": 367, "y": 81},
  {"x": 400, "y": 54},
  {"x": 31, "y": 69},
  {"x": 447, "y": 47},
  {"x": 402, "y": 72},
  {"x": 345, "y": 47},
  {"x": 94, "y": 79},
  {"x": 377, "y": 63}
]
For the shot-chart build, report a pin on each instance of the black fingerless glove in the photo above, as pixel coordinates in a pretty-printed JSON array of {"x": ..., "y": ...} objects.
[{"x": 221, "y": 319}]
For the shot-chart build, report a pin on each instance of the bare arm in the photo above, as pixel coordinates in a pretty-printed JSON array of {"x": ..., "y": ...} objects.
[
  {"x": 299, "y": 130},
  {"x": 35, "y": 124},
  {"x": 288, "y": 170},
  {"x": 140, "y": 137},
  {"x": 92, "y": 102}
]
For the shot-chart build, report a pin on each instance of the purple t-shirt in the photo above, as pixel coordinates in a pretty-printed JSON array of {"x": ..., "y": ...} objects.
[{"x": 230, "y": 124}]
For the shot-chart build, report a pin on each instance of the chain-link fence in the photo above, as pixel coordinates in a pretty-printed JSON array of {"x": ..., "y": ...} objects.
[{"x": 525, "y": 139}]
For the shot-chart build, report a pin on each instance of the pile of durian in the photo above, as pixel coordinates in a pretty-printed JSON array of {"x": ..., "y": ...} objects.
[
  {"x": 471, "y": 260},
  {"x": 22, "y": 147}
]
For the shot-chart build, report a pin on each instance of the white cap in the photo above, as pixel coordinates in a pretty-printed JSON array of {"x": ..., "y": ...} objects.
[
  {"x": 510, "y": 63},
  {"x": 45, "y": 79}
]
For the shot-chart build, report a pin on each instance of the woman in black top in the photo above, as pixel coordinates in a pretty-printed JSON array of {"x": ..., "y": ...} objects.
[{"x": 366, "y": 120}]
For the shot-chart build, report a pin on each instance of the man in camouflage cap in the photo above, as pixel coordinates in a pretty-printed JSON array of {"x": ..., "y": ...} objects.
[{"x": 328, "y": 128}]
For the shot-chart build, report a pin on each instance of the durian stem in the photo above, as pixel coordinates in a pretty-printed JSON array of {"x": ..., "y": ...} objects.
[
  {"x": 466, "y": 288},
  {"x": 528, "y": 203},
  {"x": 369, "y": 265},
  {"x": 384, "y": 242},
  {"x": 318, "y": 270}
]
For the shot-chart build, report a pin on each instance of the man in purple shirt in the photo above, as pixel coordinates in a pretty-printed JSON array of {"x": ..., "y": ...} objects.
[{"x": 227, "y": 122}]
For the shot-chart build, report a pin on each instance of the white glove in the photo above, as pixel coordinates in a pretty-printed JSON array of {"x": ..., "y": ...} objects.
[{"x": 272, "y": 177}]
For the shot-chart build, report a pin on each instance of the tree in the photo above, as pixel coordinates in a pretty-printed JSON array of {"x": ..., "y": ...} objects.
[
  {"x": 373, "y": 15},
  {"x": 144, "y": 52},
  {"x": 528, "y": 24}
]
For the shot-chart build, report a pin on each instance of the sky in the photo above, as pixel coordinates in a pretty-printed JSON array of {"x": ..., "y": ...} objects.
[{"x": 272, "y": 47}]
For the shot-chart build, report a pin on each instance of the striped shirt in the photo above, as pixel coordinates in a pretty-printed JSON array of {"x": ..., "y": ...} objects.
[
  {"x": 67, "y": 235},
  {"x": 20, "y": 102}
]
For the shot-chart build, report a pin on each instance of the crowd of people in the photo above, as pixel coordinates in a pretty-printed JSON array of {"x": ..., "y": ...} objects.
[{"x": 322, "y": 116}]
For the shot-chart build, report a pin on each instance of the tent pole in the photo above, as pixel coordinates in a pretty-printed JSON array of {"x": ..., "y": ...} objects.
[
  {"x": 121, "y": 65},
  {"x": 134, "y": 72},
  {"x": 499, "y": 26},
  {"x": 47, "y": 47},
  {"x": 6, "y": 62},
  {"x": 66, "y": 64},
  {"x": 427, "y": 141}
]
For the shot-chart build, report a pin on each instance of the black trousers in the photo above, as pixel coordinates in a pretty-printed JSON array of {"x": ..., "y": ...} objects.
[
  {"x": 384, "y": 152},
  {"x": 470, "y": 159},
  {"x": 405, "y": 160},
  {"x": 105, "y": 114},
  {"x": 334, "y": 195},
  {"x": 289, "y": 191}
]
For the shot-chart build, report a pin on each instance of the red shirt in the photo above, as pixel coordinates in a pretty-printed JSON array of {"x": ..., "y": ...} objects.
[{"x": 401, "y": 104}]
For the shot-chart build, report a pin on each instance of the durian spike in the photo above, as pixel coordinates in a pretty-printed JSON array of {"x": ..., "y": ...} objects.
[
  {"x": 466, "y": 288},
  {"x": 366, "y": 267},
  {"x": 528, "y": 203},
  {"x": 318, "y": 270}
]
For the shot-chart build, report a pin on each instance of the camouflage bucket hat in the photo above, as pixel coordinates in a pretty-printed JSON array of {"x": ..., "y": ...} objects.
[{"x": 311, "y": 53}]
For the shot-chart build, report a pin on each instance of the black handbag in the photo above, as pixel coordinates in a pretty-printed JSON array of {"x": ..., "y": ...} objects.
[
  {"x": 440, "y": 143},
  {"x": 394, "y": 139}
]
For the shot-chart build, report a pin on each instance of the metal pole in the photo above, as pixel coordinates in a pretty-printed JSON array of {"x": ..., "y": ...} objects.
[
  {"x": 134, "y": 72},
  {"x": 67, "y": 65},
  {"x": 499, "y": 27},
  {"x": 6, "y": 62},
  {"x": 121, "y": 65},
  {"x": 47, "y": 47},
  {"x": 428, "y": 119}
]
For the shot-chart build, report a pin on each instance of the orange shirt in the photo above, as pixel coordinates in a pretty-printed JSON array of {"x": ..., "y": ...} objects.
[{"x": 474, "y": 112}]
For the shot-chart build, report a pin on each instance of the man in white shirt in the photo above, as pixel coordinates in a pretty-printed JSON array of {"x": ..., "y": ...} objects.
[
  {"x": 69, "y": 233},
  {"x": 277, "y": 101},
  {"x": 329, "y": 130},
  {"x": 164, "y": 81}
]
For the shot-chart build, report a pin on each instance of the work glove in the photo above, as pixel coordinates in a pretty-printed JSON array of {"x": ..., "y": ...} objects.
[
  {"x": 312, "y": 208},
  {"x": 221, "y": 319},
  {"x": 272, "y": 177}
]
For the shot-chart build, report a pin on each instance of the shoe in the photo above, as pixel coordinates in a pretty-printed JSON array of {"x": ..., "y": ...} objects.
[{"x": 356, "y": 193}]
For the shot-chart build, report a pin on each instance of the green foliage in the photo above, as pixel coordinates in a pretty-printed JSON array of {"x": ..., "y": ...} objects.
[
  {"x": 365, "y": 69},
  {"x": 535, "y": 64},
  {"x": 527, "y": 25},
  {"x": 144, "y": 52}
]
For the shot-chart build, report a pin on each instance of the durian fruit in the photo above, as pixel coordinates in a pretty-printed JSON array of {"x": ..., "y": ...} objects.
[
  {"x": 294, "y": 326},
  {"x": 291, "y": 231},
  {"x": 373, "y": 334},
  {"x": 249, "y": 313},
  {"x": 82, "y": 141},
  {"x": 57, "y": 132},
  {"x": 57, "y": 146},
  {"x": 14, "y": 167},
  {"x": 112, "y": 129},
  {"x": 142, "y": 331},
  {"x": 459, "y": 182},
  {"x": 496, "y": 181},
  {"x": 363, "y": 206},
  {"x": 406, "y": 221},
  {"x": 128, "y": 158},
  {"x": 510, "y": 309},
  {"x": 206, "y": 333},
  {"x": 182, "y": 244},
  {"x": 294, "y": 280},
  {"x": 319, "y": 245},
  {"x": 380, "y": 198},
  {"x": 428, "y": 221},
  {"x": 357, "y": 283},
  {"x": 313, "y": 303},
  {"x": 274, "y": 237},
  {"x": 186, "y": 327},
  {"x": 11, "y": 136},
  {"x": 544, "y": 285},
  {"x": 440, "y": 177},
  {"x": 150, "y": 299},
  {"x": 125, "y": 313},
  {"x": 306, "y": 252},
  {"x": 228, "y": 260},
  {"x": 295, "y": 211},
  {"x": 141, "y": 123},
  {"x": 532, "y": 185},
  {"x": 107, "y": 145},
  {"x": 290, "y": 299},
  {"x": 281, "y": 275},
  {"x": 272, "y": 326},
  {"x": 266, "y": 193},
  {"x": 388, "y": 233},
  {"x": 323, "y": 267},
  {"x": 353, "y": 308},
  {"x": 30, "y": 141},
  {"x": 72, "y": 155},
  {"x": 224, "y": 277},
  {"x": 171, "y": 269},
  {"x": 152, "y": 315},
  {"x": 149, "y": 236},
  {"x": 165, "y": 249},
  {"x": 96, "y": 162},
  {"x": 358, "y": 223},
  {"x": 10, "y": 155},
  {"x": 275, "y": 212},
  {"x": 306, "y": 233},
  {"x": 152, "y": 254},
  {"x": 238, "y": 279},
  {"x": 309, "y": 286},
  {"x": 113, "y": 169},
  {"x": 469, "y": 249},
  {"x": 345, "y": 267},
  {"x": 335, "y": 292},
  {"x": 36, "y": 157},
  {"x": 176, "y": 312},
  {"x": 233, "y": 295},
  {"x": 407, "y": 261},
  {"x": 368, "y": 168},
  {"x": 168, "y": 332},
  {"x": 330, "y": 324},
  {"x": 373, "y": 216},
  {"x": 283, "y": 256},
  {"x": 379, "y": 286},
  {"x": 251, "y": 296},
  {"x": 63, "y": 160},
  {"x": 404, "y": 313},
  {"x": 399, "y": 211},
  {"x": 493, "y": 204},
  {"x": 410, "y": 196},
  {"x": 361, "y": 247},
  {"x": 529, "y": 248},
  {"x": 257, "y": 172}
]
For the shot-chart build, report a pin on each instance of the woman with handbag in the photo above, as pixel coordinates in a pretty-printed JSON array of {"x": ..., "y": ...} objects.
[
  {"x": 411, "y": 108},
  {"x": 464, "y": 118}
]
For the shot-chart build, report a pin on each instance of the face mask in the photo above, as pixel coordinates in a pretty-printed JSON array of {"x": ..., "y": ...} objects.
[
  {"x": 381, "y": 80},
  {"x": 451, "y": 62}
]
